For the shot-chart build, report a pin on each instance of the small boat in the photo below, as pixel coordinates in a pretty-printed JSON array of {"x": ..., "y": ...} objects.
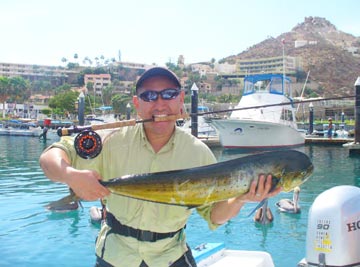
[
  {"x": 106, "y": 116},
  {"x": 20, "y": 128},
  {"x": 264, "y": 117},
  {"x": 216, "y": 255},
  {"x": 205, "y": 130}
]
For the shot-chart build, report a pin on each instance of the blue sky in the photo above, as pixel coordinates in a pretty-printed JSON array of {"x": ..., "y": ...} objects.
[{"x": 157, "y": 31}]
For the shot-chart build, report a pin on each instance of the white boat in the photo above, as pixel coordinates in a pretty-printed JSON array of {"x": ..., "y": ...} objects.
[
  {"x": 106, "y": 116},
  {"x": 264, "y": 117},
  {"x": 20, "y": 128},
  {"x": 216, "y": 255},
  {"x": 205, "y": 130}
]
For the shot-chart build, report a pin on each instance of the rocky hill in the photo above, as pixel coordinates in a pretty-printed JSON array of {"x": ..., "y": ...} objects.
[{"x": 331, "y": 56}]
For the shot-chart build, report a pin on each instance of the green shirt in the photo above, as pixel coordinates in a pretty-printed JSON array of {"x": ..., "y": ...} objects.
[{"x": 127, "y": 151}]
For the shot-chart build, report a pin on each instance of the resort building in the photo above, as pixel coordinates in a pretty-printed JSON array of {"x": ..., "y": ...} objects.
[
  {"x": 268, "y": 65},
  {"x": 56, "y": 75},
  {"x": 99, "y": 82}
]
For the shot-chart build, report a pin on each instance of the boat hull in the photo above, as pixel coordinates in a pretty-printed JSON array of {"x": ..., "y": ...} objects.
[{"x": 235, "y": 133}]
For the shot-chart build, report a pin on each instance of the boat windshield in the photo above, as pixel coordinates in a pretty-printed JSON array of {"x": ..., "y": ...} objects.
[{"x": 267, "y": 84}]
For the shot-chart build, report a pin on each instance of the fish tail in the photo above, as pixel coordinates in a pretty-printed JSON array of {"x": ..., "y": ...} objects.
[{"x": 67, "y": 203}]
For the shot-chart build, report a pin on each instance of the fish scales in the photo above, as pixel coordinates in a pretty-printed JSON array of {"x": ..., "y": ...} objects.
[
  {"x": 216, "y": 182},
  {"x": 208, "y": 184}
]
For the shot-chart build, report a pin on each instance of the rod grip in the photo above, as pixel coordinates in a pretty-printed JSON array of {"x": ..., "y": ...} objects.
[{"x": 111, "y": 125}]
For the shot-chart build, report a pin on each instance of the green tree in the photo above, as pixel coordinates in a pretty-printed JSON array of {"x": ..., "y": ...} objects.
[
  {"x": 19, "y": 88},
  {"x": 63, "y": 88},
  {"x": 64, "y": 60},
  {"x": 4, "y": 91},
  {"x": 64, "y": 102},
  {"x": 107, "y": 94},
  {"x": 14, "y": 89},
  {"x": 40, "y": 86},
  {"x": 46, "y": 111},
  {"x": 228, "y": 98},
  {"x": 119, "y": 102}
]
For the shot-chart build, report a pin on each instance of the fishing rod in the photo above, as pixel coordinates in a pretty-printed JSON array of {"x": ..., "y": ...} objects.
[{"x": 88, "y": 143}]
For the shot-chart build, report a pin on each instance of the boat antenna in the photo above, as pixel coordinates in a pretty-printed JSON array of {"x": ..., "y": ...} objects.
[
  {"x": 283, "y": 55},
  {"x": 303, "y": 90}
]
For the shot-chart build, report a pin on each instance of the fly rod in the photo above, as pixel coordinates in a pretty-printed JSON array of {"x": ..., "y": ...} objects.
[
  {"x": 117, "y": 124},
  {"x": 88, "y": 143}
]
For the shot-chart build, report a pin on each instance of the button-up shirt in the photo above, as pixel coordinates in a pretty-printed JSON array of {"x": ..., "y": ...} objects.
[{"x": 127, "y": 151}]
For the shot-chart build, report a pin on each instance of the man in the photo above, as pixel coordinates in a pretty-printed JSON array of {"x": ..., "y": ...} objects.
[
  {"x": 141, "y": 233},
  {"x": 330, "y": 128}
]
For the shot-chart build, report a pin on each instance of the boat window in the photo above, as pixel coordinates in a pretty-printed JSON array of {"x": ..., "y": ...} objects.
[
  {"x": 276, "y": 85},
  {"x": 286, "y": 115}
]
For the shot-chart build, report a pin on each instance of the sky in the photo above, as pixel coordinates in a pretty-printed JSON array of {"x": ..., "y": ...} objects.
[{"x": 154, "y": 31}]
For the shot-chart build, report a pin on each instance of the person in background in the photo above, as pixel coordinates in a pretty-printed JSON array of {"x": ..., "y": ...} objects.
[
  {"x": 43, "y": 135},
  {"x": 135, "y": 232},
  {"x": 330, "y": 128}
]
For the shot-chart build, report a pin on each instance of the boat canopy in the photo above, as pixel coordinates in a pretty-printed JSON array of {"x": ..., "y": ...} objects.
[
  {"x": 269, "y": 83},
  {"x": 104, "y": 108},
  {"x": 203, "y": 109}
]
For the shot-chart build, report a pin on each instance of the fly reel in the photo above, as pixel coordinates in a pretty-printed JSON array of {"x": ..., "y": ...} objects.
[{"x": 88, "y": 144}]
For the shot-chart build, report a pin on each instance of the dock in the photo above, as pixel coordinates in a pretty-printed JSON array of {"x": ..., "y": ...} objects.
[
  {"x": 327, "y": 141},
  {"x": 309, "y": 140}
]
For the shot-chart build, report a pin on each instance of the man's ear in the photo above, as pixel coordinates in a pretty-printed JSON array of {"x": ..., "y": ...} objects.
[{"x": 135, "y": 101}]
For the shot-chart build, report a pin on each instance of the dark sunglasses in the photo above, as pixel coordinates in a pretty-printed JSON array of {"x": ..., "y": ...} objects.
[{"x": 166, "y": 94}]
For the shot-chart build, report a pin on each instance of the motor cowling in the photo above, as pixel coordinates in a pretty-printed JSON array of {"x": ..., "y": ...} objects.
[{"x": 333, "y": 234}]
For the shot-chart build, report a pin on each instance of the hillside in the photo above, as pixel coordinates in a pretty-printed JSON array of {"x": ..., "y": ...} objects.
[{"x": 332, "y": 67}]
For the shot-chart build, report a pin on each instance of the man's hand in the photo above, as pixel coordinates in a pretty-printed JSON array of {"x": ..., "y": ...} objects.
[
  {"x": 85, "y": 184},
  {"x": 260, "y": 190}
]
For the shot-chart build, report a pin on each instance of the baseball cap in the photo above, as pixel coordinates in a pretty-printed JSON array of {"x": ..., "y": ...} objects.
[{"x": 157, "y": 71}]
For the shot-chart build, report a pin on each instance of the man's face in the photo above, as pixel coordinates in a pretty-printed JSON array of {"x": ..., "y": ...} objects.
[{"x": 160, "y": 107}]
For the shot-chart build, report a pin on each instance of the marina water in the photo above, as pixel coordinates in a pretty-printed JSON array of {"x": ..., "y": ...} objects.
[{"x": 32, "y": 236}]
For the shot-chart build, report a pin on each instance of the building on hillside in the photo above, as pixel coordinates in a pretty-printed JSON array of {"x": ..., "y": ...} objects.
[
  {"x": 55, "y": 75},
  {"x": 99, "y": 82},
  {"x": 201, "y": 68},
  {"x": 267, "y": 65},
  {"x": 181, "y": 61},
  {"x": 133, "y": 65},
  {"x": 39, "y": 99},
  {"x": 225, "y": 68},
  {"x": 204, "y": 87},
  {"x": 300, "y": 43}
]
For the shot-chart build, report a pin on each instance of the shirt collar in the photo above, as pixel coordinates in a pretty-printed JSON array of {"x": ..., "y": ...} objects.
[{"x": 168, "y": 146}]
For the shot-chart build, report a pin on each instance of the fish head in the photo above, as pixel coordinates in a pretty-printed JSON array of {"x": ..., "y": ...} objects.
[
  {"x": 292, "y": 178},
  {"x": 294, "y": 172}
]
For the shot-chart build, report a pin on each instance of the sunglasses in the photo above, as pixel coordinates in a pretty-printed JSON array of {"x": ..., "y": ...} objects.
[{"x": 166, "y": 94}]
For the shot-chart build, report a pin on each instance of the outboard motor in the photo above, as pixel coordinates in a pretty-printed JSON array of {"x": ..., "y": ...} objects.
[{"x": 333, "y": 234}]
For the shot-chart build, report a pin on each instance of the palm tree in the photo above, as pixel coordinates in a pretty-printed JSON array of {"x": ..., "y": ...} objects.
[
  {"x": 64, "y": 60},
  {"x": 4, "y": 91},
  {"x": 15, "y": 88}
]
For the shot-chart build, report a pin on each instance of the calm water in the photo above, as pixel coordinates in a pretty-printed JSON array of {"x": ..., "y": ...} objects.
[{"x": 32, "y": 236}]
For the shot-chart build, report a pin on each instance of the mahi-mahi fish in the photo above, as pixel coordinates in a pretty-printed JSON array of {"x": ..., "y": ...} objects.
[{"x": 211, "y": 183}]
